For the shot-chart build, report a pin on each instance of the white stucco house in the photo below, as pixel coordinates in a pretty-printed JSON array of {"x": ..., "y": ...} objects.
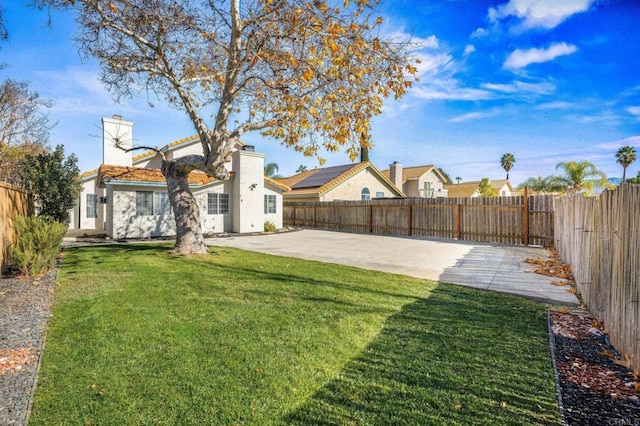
[
  {"x": 126, "y": 196},
  {"x": 418, "y": 181}
]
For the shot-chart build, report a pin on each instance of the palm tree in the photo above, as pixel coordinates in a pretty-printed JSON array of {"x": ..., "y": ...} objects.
[
  {"x": 625, "y": 156},
  {"x": 507, "y": 161},
  {"x": 301, "y": 169},
  {"x": 271, "y": 170},
  {"x": 458, "y": 179},
  {"x": 579, "y": 177},
  {"x": 540, "y": 185}
]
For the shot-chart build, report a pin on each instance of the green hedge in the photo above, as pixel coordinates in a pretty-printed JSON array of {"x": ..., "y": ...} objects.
[{"x": 38, "y": 245}]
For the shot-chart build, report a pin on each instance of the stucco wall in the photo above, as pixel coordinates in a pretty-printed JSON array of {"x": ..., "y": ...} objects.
[
  {"x": 275, "y": 218},
  {"x": 414, "y": 187},
  {"x": 80, "y": 218},
  {"x": 248, "y": 185},
  {"x": 219, "y": 222},
  {"x": 126, "y": 223},
  {"x": 351, "y": 189}
]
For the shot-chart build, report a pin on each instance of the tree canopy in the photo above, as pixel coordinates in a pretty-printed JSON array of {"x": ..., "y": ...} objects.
[
  {"x": 486, "y": 189},
  {"x": 308, "y": 74},
  {"x": 579, "y": 177},
  {"x": 541, "y": 185},
  {"x": 54, "y": 182},
  {"x": 625, "y": 156},
  {"x": 24, "y": 127},
  {"x": 507, "y": 161}
]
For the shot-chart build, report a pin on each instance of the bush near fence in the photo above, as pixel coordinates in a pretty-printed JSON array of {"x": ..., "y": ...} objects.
[
  {"x": 526, "y": 220},
  {"x": 14, "y": 202},
  {"x": 600, "y": 238}
]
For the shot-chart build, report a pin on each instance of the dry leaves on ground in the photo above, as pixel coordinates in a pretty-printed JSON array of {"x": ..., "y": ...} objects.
[{"x": 14, "y": 360}]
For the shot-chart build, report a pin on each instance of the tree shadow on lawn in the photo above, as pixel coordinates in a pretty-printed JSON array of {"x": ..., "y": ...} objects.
[{"x": 458, "y": 357}]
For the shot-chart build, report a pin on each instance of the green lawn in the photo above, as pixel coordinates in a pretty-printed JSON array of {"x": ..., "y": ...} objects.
[{"x": 141, "y": 336}]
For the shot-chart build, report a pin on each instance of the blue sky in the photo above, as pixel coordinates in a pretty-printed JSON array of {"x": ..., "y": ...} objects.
[{"x": 548, "y": 81}]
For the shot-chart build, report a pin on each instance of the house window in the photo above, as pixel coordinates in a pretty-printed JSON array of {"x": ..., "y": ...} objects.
[
  {"x": 144, "y": 203},
  {"x": 217, "y": 203},
  {"x": 269, "y": 204},
  {"x": 365, "y": 195},
  {"x": 92, "y": 206},
  {"x": 379, "y": 194},
  {"x": 161, "y": 205}
]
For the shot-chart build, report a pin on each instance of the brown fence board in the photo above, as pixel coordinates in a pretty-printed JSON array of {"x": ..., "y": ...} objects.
[
  {"x": 493, "y": 219},
  {"x": 13, "y": 202}
]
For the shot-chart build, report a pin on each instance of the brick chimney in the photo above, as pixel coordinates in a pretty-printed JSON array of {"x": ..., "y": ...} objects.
[{"x": 395, "y": 174}]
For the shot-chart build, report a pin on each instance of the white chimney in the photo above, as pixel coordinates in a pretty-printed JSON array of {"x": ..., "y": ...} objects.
[
  {"x": 395, "y": 174},
  {"x": 117, "y": 136}
]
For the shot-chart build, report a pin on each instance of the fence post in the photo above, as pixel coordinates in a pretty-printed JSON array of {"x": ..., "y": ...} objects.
[
  {"x": 525, "y": 211},
  {"x": 459, "y": 222},
  {"x": 315, "y": 215},
  {"x": 410, "y": 220},
  {"x": 370, "y": 218}
]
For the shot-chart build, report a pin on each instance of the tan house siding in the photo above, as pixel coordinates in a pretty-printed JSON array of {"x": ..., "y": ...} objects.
[{"x": 351, "y": 189}]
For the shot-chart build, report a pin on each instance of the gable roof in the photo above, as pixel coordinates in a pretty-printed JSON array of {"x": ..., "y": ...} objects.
[
  {"x": 189, "y": 140},
  {"x": 277, "y": 184},
  {"x": 467, "y": 189},
  {"x": 322, "y": 180},
  {"x": 416, "y": 172},
  {"x": 139, "y": 175}
]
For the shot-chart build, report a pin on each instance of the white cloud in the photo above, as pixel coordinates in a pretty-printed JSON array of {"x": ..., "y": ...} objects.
[
  {"x": 630, "y": 141},
  {"x": 520, "y": 87},
  {"x": 634, "y": 110},
  {"x": 480, "y": 32},
  {"x": 469, "y": 49},
  {"x": 556, "y": 105},
  {"x": 472, "y": 116},
  {"x": 401, "y": 36},
  {"x": 522, "y": 58},
  {"x": 450, "y": 91},
  {"x": 544, "y": 14}
]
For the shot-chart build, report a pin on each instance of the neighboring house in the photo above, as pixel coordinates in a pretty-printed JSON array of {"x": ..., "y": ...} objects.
[
  {"x": 358, "y": 181},
  {"x": 419, "y": 181},
  {"x": 471, "y": 189},
  {"x": 127, "y": 195}
]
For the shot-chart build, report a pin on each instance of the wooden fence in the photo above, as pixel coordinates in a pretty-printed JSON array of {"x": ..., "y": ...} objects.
[
  {"x": 600, "y": 238},
  {"x": 526, "y": 220},
  {"x": 13, "y": 202}
]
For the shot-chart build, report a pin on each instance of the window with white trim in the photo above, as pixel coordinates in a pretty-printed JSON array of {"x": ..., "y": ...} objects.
[
  {"x": 92, "y": 206},
  {"x": 379, "y": 194},
  {"x": 269, "y": 204},
  {"x": 217, "y": 203},
  {"x": 144, "y": 203},
  {"x": 365, "y": 195},
  {"x": 161, "y": 205}
]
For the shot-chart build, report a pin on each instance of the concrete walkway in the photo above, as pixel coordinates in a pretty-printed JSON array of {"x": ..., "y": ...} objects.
[{"x": 484, "y": 266}]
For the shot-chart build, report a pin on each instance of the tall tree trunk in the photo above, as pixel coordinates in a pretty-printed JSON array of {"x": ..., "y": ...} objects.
[{"x": 189, "y": 239}]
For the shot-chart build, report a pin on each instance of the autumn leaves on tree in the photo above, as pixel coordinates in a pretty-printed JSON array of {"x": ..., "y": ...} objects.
[{"x": 309, "y": 74}]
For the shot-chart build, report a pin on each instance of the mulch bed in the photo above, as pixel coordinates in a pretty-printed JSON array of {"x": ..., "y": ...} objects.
[{"x": 596, "y": 388}]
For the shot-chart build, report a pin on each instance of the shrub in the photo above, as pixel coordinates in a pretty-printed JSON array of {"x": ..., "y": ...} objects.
[
  {"x": 38, "y": 245},
  {"x": 269, "y": 227}
]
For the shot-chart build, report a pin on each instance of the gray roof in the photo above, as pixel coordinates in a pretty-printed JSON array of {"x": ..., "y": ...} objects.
[{"x": 323, "y": 176}]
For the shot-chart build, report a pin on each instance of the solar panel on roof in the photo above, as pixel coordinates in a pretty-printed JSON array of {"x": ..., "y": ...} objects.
[{"x": 323, "y": 176}]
